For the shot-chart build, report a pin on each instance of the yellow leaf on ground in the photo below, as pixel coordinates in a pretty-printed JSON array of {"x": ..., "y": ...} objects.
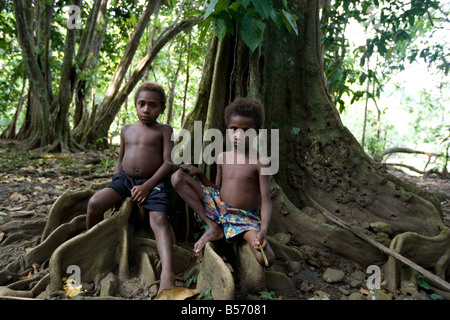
[{"x": 177, "y": 293}]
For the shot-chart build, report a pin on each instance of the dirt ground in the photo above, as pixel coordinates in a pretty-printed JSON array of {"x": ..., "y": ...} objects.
[{"x": 31, "y": 182}]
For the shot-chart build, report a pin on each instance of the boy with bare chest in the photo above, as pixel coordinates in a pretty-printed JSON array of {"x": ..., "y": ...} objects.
[
  {"x": 141, "y": 173},
  {"x": 239, "y": 203}
]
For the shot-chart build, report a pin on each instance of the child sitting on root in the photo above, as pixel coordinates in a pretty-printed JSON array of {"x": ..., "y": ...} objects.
[
  {"x": 141, "y": 173},
  {"x": 238, "y": 204}
]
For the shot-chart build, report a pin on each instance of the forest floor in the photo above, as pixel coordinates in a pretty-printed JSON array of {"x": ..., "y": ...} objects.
[{"x": 31, "y": 182}]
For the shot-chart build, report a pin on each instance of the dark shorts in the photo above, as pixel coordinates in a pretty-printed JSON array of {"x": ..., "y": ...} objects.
[{"x": 157, "y": 199}]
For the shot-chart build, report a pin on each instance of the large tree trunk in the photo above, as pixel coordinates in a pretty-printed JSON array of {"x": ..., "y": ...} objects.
[
  {"x": 323, "y": 167},
  {"x": 47, "y": 120},
  {"x": 38, "y": 108}
]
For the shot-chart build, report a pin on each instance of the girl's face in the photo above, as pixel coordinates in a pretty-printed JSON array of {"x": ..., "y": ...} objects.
[
  {"x": 240, "y": 129},
  {"x": 148, "y": 107}
]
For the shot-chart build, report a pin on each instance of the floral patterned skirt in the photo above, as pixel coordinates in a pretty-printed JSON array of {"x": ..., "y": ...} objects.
[{"x": 234, "y": 221}]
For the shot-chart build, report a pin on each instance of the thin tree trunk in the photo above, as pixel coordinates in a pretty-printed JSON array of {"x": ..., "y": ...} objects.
[
  {"x": 186, "y": 84},
  {"x": 173, "y": 87},
  {"x": 87, "y": 56},
  {"x": 11, "y": 131},
  {"x": 111, "y": 105}
]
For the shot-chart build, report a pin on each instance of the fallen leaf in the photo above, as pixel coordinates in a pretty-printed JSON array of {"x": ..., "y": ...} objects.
[
  {"x": 27, "y": 276},
  {"x": 319, "y": 292},
  {"x": 363, "y": 291},
  {"x": 14, "y": 196},
  {"x": 2, "y": 234},
  {"x": 17, "y": 208},
  {"x": 36, "y": 267},
  {"x": 176, "y": 293},
  {"x": 71, "y": 288}
]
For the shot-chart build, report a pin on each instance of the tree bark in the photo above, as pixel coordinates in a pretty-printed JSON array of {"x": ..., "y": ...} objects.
[
  {"x": 36, "y": 132},
  {"x": 46, "y": 126}
]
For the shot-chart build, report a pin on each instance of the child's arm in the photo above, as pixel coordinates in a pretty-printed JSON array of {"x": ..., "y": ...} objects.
[
  {"x": 266, "y": 207},
  {"x": 194, "y": 171},
  {"x": 118, "y": 166},
  {"x": 139, "y": 193}
]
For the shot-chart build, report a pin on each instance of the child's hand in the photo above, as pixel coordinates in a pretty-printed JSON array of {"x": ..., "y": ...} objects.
[
  {"x": 139, "y": 193},
  {"x": 193, "y": 170},
  {"x": 260, "y": 240}
]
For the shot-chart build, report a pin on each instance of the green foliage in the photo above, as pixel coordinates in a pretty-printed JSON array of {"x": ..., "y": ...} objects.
[
  {"x": 206, "y": 295},
  {"x": 268, "y": 295},
  {"x": 250, "y": 17},
  {"x": 425, "y": 289},
  {"x": 190, "y": 279},
  {"x": 392, "y": 32}
]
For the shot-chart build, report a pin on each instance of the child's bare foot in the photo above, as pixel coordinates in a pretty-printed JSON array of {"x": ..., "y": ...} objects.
[
  {"x": 167, "y": 280},
  {"x": 214, "y": 232}
]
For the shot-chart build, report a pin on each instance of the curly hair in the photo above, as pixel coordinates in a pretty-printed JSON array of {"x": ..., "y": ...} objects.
[
  {"x": 247, "y": 107},
  {"x": 152, "y": 86}
]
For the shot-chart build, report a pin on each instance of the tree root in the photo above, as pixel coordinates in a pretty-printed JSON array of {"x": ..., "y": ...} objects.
[
  {"x": 428, "y": 252},
  {"x": 111, "y": 247},
  {"x": 306, "y": 229}
]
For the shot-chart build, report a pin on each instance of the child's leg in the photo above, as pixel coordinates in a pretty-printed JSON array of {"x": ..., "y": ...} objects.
[
  {"x": 159, "y": 222},
  {"x": 191, "y": 192},
  {"x": 99, "y": 203},
  {"x": 250, "y": 236}
]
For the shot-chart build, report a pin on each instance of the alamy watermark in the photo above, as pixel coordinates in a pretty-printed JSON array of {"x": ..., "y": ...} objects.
[
  {"x": 235, "y": 140},
  {"x": 74, "y": 279},
  {"x": 74, "y": 20},
  {"x": 374, "y": 280}
]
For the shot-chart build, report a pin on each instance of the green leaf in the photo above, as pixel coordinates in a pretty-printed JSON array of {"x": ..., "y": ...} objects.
[
  {"x": 289, "y": 21},
  {"x": 221, "y": 5},
  {"x": 276, "y": 18},
  {"x": 435, "y": 296},
  {"x": 244, "y": 3},
  {"x": 222, "y": 23},
  {"x": 210, "y": 8},
  {"x": 236, "y": 15},
  {"x": 252, "y": 31},
  {"x": 423, "y": 284},
  {"x": 264, "y": 7},
  {"x": 204, "y": 27}
]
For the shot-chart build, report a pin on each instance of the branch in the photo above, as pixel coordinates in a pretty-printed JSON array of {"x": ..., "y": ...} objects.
[
  {"x": 379, "y": 156},
  {"x": 130, "y": 50},
  {"x": 144, "y": 63},
  {"x": 387, "y": 250}
]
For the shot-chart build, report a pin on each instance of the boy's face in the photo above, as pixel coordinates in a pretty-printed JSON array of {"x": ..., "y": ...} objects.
[
  {"x": 241, "y": 137},
  {"x": 148, "y": 107}
]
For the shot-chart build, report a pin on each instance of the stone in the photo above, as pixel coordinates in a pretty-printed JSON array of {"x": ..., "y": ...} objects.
[
  {"x": 293, "y": 266},
  {"x": 359, "y": 275},
  {"x": 356, "y": 283},
  {"x": 381, "y": 227},
  {"x": 279, "y": 283},
  {"x": 282, "y": 237},
  {"x": 356, "y": 296},
  {"x": 344, "y": 291},
  {"x": 333, "y": 275}
]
